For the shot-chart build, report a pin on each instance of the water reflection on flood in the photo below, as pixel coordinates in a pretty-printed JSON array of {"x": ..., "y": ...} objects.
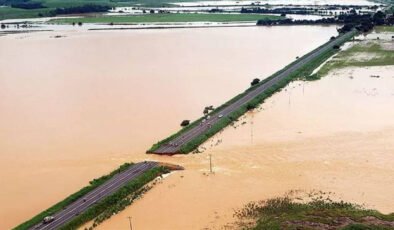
[{"x": 75, "y": 107}]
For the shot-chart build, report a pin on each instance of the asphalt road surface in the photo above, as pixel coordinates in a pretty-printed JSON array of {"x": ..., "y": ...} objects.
[
  {"x": 94, "y": 196},
  {"x": 173, "y": 146}
]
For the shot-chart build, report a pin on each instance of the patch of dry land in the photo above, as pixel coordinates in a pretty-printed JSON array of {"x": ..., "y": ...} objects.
[
  {"x": 374, "y": 49},
  {"x": 335, "y": 134}
]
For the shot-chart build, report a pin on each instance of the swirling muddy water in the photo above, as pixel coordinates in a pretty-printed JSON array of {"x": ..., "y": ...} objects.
[
  {"x": 75, "y": 107},
  {"x": 334, "y": 135}
]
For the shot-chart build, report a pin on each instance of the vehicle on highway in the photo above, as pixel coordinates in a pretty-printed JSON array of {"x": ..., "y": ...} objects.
[
  {"x": 208, "y": 117},
  {"x": 220, "y": 116},
  {"x": 203, "y": 120},
  {"x": 48, "y": 219}
]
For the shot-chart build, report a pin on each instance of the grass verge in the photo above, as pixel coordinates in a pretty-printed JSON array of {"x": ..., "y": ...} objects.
[
  {"x": 318, "y": 213},
  {"x": 302, "y": 73},
  {"x": 59, "y": 206},
  {"x": 168, "y": 18}
]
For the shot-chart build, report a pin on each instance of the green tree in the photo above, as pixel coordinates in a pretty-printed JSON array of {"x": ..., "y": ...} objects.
[{"x": 255, "y": 81}]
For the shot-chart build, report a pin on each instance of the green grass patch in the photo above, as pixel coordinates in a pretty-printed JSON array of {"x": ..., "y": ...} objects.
[
  {"x": 318, "y": 213},
  {"x": 370, "y": 53},
  {"x": 75, "y": 3},
  {"x": 382, "y": 29},
  {"x": 168, "y": 18},
  {"x": 12, "y": 13},
  {"x": 70, "y": 199}
]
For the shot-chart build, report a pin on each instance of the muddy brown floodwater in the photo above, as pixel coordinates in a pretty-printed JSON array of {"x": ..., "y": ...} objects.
[
  {"x": 76, "y": 107},
  {"x": 334, "y": 135}
]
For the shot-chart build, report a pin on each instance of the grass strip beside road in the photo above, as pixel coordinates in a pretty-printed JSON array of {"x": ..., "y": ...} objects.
[
  {"x": 70, "y": 199},
  {"x": 117, "y": 201},
  {"x": 168, "y": 18},
  {"x": 302, "y": 73}
]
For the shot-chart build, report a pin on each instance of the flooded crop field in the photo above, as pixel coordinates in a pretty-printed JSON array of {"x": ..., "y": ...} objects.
[
  {"x": 82, "y": 95},
  {"x": 81, "y": 114},
  {"x": 334, "y": 135}
]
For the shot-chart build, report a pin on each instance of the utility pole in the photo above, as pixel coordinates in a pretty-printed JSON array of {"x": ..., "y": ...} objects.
[
  {"x": 131, "y": 226},
  {"x": 210, "y": 163},
  {"x": 251, "y": 128}
]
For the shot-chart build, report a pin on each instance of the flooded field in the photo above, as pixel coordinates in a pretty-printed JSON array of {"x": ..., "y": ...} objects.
[
  {"x": 334, "y": 135},
  {"x": 75, "y": 107}
]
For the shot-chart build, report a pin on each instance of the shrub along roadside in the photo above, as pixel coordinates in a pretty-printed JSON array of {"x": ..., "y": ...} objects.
[
  {"x": 113, "y": 201},
  {"x": 59, "y": 206},
  {"x": 318, "y": 213},
  {"x": 218, "y": 109},
  {"x": 303, "y": 73}
]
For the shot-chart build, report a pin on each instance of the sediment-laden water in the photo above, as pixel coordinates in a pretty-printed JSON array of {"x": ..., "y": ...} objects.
[{"x": 75, "y": 107}]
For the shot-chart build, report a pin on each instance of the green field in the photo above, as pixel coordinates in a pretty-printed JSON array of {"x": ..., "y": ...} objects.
[
  {"x": 168, "y": 18},
  {"x": 369, "y": 53},
  {"x": 383, "y": 29},
  {"x": 51, "y": 5},
  {"x": 11, "y": 13}
]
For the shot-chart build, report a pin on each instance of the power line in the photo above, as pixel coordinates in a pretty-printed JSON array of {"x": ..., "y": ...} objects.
[{"x": 251, "y": 127}]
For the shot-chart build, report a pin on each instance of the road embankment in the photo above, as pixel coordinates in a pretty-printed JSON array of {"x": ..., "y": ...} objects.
[
  {"x": 189, "y": 138},
  {"x": 73, "y": 197},
  {"x": 104, "y": 196}
]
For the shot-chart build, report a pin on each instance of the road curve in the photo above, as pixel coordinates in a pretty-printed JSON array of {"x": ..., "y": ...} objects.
[
  {"x": 96, "y": 195},
  {"x": 174, "y": 146}
]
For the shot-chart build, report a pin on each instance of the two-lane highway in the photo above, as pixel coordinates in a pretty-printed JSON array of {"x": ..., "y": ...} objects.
[
  {"x": 96, "y": 195},
  {"x": 174, "y": 146}
]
